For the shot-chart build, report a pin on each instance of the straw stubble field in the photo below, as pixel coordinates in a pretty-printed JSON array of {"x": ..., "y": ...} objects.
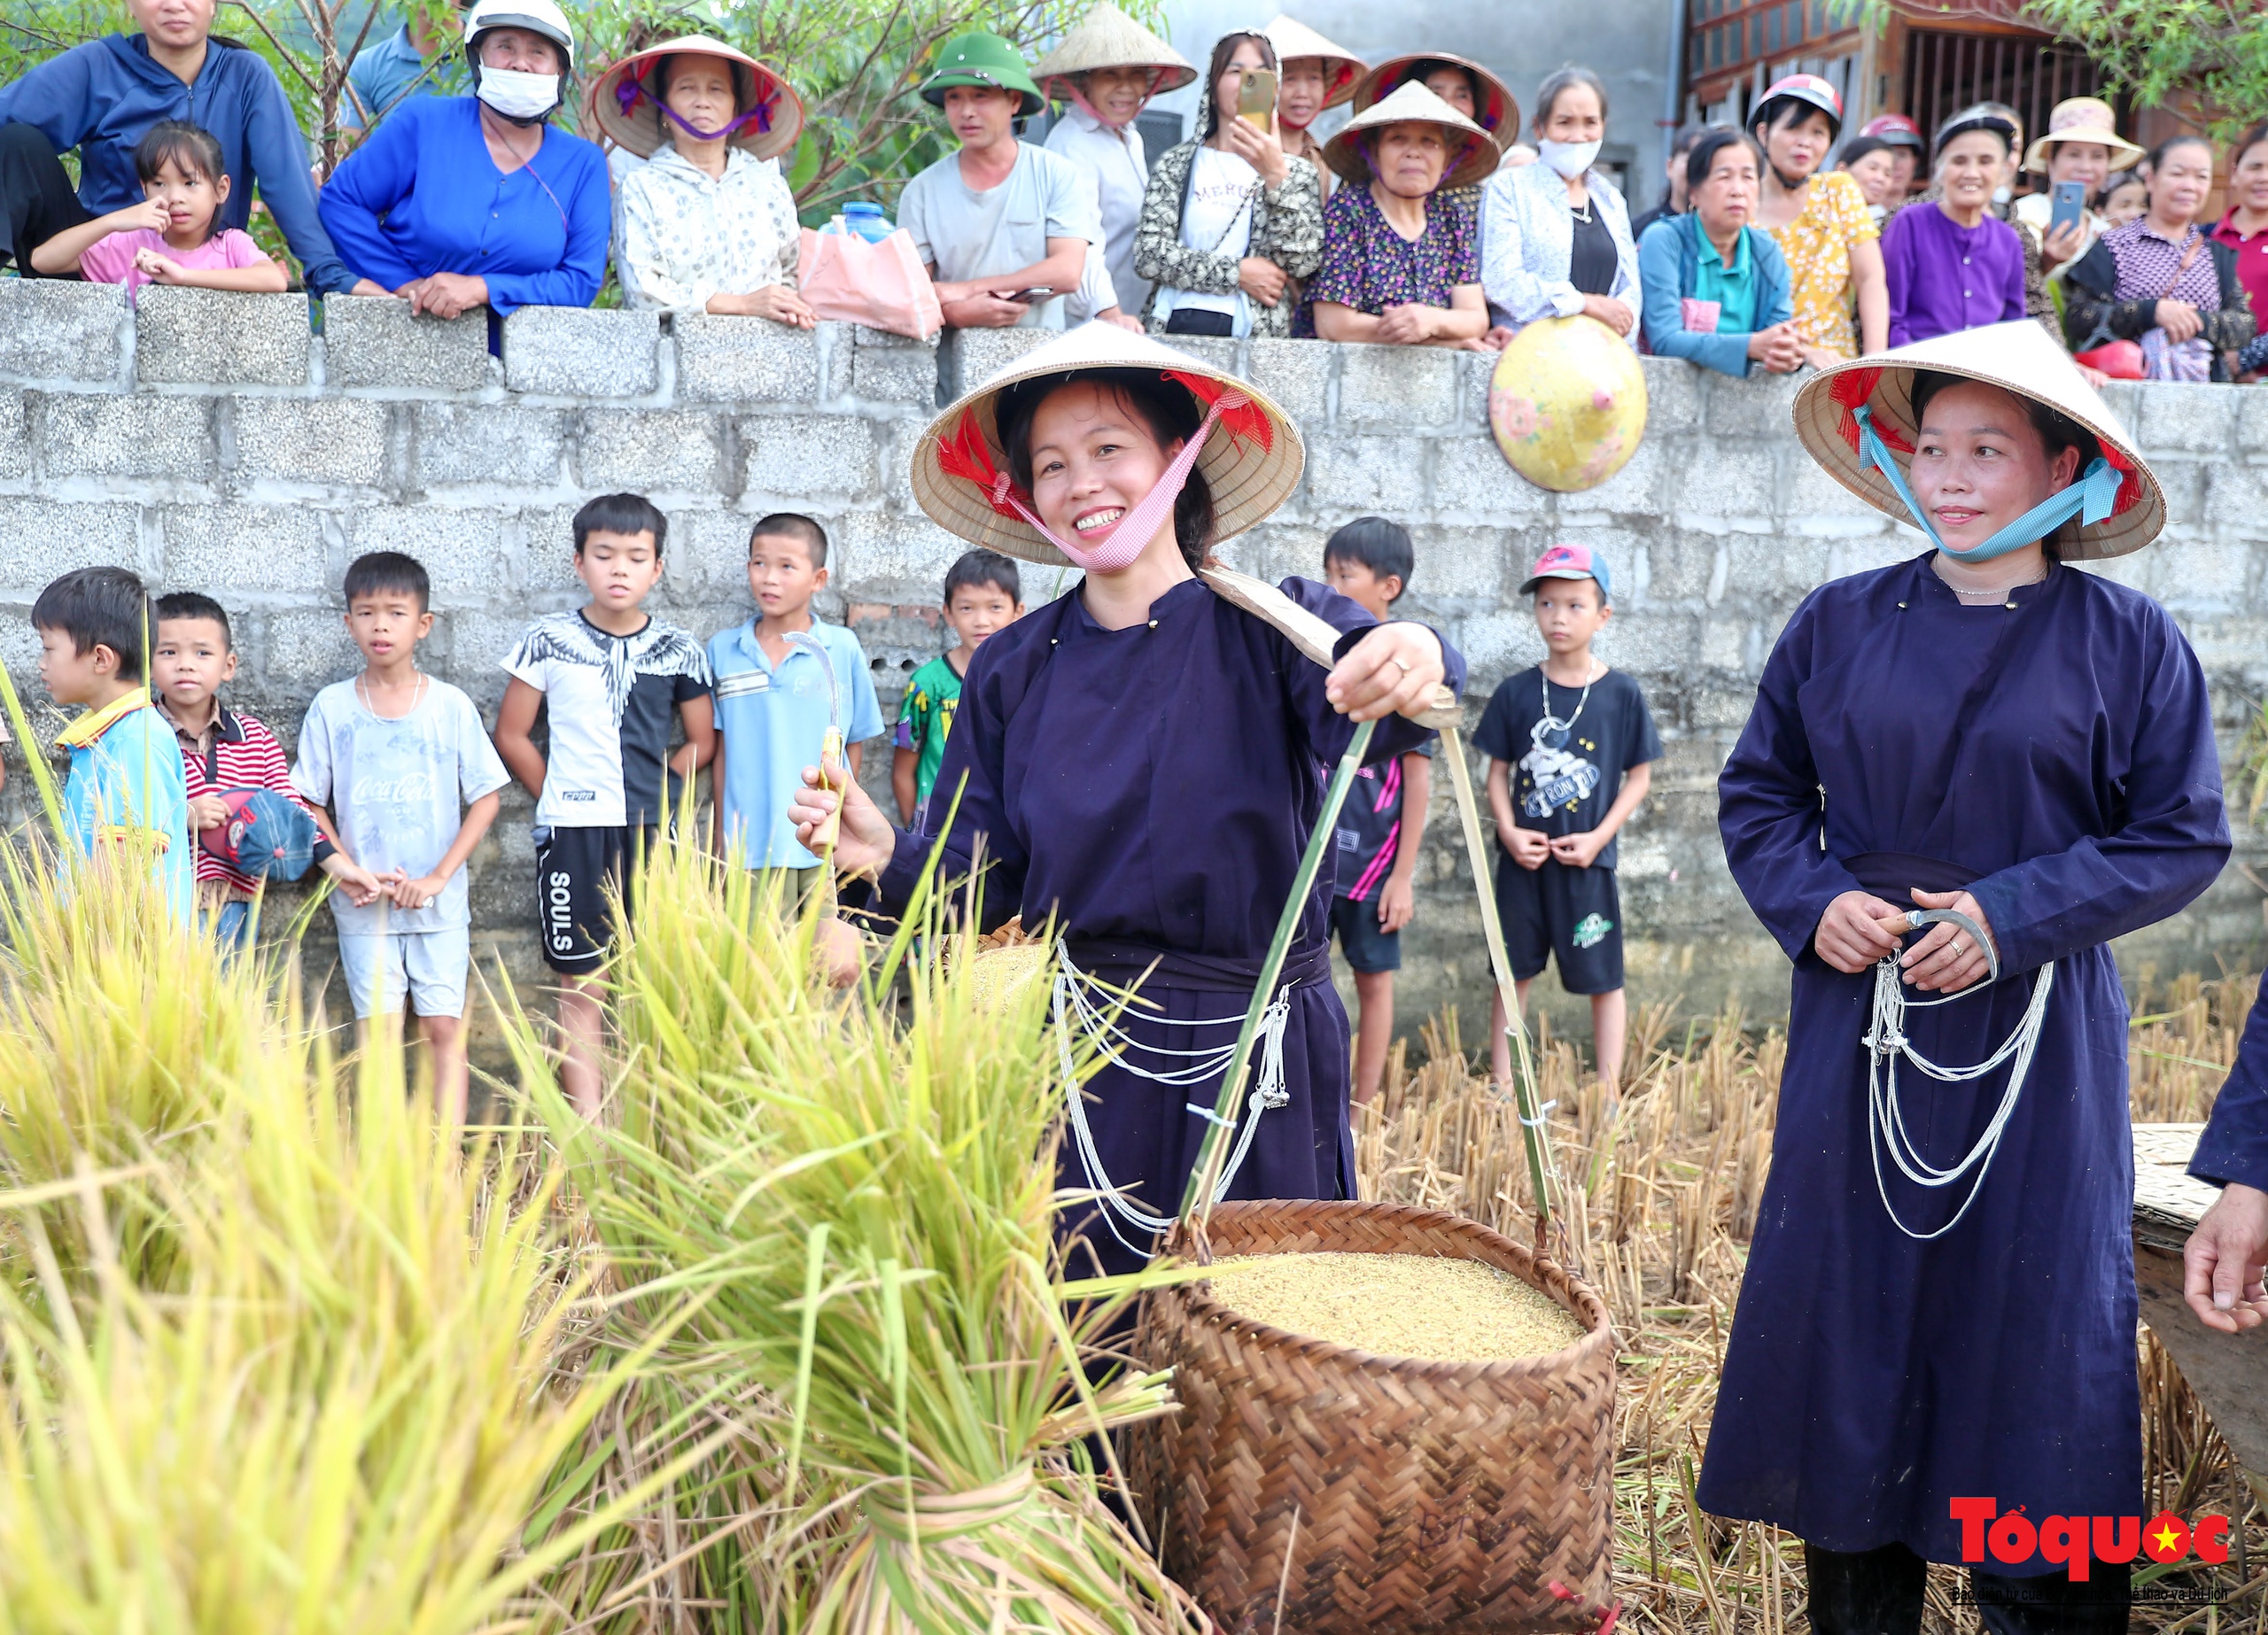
[{"x": 1661, "y": 1193}]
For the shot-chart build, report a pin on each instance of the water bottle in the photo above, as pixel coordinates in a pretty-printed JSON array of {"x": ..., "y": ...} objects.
[{"x": 866, "y": 220}]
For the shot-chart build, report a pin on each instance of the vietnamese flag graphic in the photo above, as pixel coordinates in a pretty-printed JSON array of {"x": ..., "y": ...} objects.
[{"x": 2166, "y": 1538}]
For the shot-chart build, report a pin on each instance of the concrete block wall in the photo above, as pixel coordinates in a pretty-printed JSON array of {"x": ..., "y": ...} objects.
[{"x": 224, "y": 443}]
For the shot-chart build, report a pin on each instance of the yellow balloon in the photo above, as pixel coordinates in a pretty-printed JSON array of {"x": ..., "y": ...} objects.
[{"x": 1567, "y": 403}]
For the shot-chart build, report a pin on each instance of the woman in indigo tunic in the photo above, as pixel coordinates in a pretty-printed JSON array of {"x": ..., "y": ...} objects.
[
  {"x": 1939, "y": 1302},
  {"x": 1138, "y": 759}
]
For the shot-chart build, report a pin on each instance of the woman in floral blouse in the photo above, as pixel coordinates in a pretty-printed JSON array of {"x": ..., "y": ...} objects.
[
  {"x": 1401, "y": 258},
  {"x": 1230, "y": 222},
  {"x": 707, "y": 224},
  {"x": 1825, "y": 231}
]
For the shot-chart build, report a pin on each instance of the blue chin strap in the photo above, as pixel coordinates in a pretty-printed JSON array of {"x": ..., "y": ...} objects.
[{"x": 2090, "y": 500}]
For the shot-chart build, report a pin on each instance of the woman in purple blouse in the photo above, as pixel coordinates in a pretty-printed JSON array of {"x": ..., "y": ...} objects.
[
  {"x": 1952, "y": 264},
  {"x": 1401, "y": 256}
]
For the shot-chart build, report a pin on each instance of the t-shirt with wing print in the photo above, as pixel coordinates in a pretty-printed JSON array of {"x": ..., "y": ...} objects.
[{"x": 610, "y": 699}]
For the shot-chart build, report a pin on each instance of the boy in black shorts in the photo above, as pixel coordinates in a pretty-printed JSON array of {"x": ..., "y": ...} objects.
[
  {"x": 1370, "y": 562},
  {"x": 1571, "y": 748},
  {"x": 610, "y": 678}
]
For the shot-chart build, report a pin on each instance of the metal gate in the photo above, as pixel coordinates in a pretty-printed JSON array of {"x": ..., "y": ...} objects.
[{"x": 1946, "y": 72}]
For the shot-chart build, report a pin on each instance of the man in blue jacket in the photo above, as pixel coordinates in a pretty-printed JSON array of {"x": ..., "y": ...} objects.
[{"x": 100, "y": 99}]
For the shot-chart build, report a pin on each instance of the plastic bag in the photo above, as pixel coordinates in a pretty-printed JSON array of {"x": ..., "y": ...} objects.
[
  {"x": 2119, "y": 360},
  {"x": 882, "y": 285}
]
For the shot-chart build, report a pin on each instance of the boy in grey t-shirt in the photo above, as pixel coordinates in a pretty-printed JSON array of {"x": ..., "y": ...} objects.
[
  {"x": 392, "y": 752},
  {"x": 1000, "y": 217}
]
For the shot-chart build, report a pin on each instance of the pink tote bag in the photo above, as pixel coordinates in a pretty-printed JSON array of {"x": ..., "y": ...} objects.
[{"x": 883, "y": 286}]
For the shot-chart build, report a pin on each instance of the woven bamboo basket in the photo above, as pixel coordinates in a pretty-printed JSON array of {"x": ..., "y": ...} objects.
[{"x": 1405, "y": 1495}]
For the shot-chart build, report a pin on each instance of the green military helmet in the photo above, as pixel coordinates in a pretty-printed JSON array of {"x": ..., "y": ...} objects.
[{"x": 982, "y": 59}]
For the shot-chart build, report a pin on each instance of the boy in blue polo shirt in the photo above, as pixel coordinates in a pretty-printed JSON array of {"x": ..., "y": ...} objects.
[
  {"x": 773, "y": 703},
  {"x": 127, "y": 789}
]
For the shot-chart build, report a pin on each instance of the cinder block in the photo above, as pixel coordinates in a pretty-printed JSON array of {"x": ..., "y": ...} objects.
[
  {"x": 579, "y": 351},
  {"x": 647, "y": 451},
  {"x": 310, "y": 440},
  {"x": 57, "y": 330},
  {"x": 893, "y": 369},
  {"x": 1296, "y": 375},
  {"x": 15, "y": 434},
  {"x": 1760, "y": 405},
  {"x": 472, "y": 554},
  {"x": 374, "y": 341},
  {"x": 223, "y": 548},
  {"x": 1473, "y": 481},
  {"x": 1397, "y": 388},
  {"x": 1636, "y": 489},
  {"x": 788, "y": 455},
  {"x": 2208, "y": 576},
  {"x": 220, "y": 338},
  {"x": 1686, "y": 567},
  {"x": 503, "y": 443},
  {"x": 1214, "y": 351},
  {"x": 1672, "y": 396},
  {"x": 87, "y": 434},
  {"x": 1651, "y": 644},
  {"x": 745, "y": 360},
  {"x": 1866, "y": 552},
  {"x": 2252, "y": 424},
  {"x": 898, "y": 558},
  {"x": 1358, "y": 474},
  {"x": 1495, "y": 645},
  {"x": 478, "y": 641},
  {"x": 303, "y": 650},
  {"x": 46, "y": 539},
  {"x": 2179, "y": 418},
  {"x": 709, "y": 554},
  {"x": 1276, "y": 549},
  {"x": 1469, "y": 408},
  {"x": 1733, "y": 481},
  {"x": 968, "y": 358},
  {"x": 1456, "y": 565},
  {"x": 1815, "y": 502}
]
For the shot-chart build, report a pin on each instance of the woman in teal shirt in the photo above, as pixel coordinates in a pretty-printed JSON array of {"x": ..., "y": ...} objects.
[{"x": 1716, "y": 290}]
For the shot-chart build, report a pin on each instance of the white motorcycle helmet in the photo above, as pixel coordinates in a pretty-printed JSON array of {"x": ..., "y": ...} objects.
[{"x": 542, "y": 18}]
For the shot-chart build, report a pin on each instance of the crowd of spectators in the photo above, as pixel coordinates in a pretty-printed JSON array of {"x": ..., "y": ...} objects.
[{"x": 1424, "y": 220}]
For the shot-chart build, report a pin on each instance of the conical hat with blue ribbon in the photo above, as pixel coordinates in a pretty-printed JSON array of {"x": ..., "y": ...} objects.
[{"x": 2018, "y": 357}]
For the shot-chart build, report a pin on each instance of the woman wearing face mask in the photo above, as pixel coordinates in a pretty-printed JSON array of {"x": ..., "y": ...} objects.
[
  {"x": 459, "y": 202},
  {"x": 1107, "y": 69},
  {"x": 1164, "y": 849},
  {"x": 1399, "y": 264},
  {"x": 708, "y": 225},
  {"x": 1555, "y": 236},
  {"x": 1314, "y": 75},
  {"x": 1716, "y": 285},
  {"x": 1821, "y": 223},
  {"x": 1230, "y": 223},
  {"x": 1939, "y": 1304},
  {"x": 2163, "y": 279},
  {"x": 1952, "y": 264}
]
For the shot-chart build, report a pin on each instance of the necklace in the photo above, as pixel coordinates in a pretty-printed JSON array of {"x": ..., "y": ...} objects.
[
  {"x": 1554, "y": 730},
  {"x": 2002, "y": 593},
  {"x": 1583, "y": 216},
  {"x": 416, "y": 696}
]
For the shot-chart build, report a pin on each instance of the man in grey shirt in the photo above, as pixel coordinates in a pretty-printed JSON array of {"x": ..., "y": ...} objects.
[{"x": 1004, "y": 227}]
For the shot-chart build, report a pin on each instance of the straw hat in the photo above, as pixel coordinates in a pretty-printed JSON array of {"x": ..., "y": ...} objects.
[
  {"x": 2084, "y": 119},
  {"x": 1499, "y": 113},
  {"x": 1476, "y": 157},
  {"x": 626, "y": 101},
  {"x": 1342, "y": 70},
  {"x": 1110, "y": 39},
  {"x": 2017, "y": 356},
  {"x": 1252, "y": 460}
]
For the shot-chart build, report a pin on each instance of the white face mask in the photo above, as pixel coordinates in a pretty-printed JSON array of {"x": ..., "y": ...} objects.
[
  {"x": 519, "y": 96},
  {"x": 1569, "y": 159}
]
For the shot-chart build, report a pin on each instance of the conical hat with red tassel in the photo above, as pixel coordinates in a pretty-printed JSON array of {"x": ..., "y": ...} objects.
[
  {"x": 1252, "y": 460},
  {"x": 2018, "y": 357}
]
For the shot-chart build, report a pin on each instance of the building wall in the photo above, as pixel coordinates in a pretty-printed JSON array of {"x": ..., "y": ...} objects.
[{"x": 212, "y": 443}]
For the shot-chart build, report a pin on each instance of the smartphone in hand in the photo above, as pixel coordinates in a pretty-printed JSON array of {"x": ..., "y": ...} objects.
[
  {"x": 1256, "y": 98},
  {"x": 2070, "y": 206}
]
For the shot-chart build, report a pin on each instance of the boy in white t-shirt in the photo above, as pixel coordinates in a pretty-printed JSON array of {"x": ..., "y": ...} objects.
[
  {"x": 1003, "y": 226},
  {"x": 392, "y": 752}
]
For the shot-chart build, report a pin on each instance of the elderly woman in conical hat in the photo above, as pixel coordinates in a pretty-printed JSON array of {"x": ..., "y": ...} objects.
[
  {"x": 1938, "y": 1309},
  {"x": 1137, "y": 760},
  {"x": 1312, "y": 74},
  {"x": 708, "y": 223}
]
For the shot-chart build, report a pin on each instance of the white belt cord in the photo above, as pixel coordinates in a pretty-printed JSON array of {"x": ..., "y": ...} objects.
[
  {"x": 1074, "y": 1006},
  {"x": 1885, "y": 1041}
]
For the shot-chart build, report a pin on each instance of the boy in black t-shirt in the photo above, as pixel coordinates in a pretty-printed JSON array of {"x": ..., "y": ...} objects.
[
  {"x": 1571, "y": 750},
  {"x": 1369, "y": 561}
]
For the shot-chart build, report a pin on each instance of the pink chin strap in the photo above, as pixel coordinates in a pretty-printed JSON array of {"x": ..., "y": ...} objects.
[{"x": 1130, "y": 535}]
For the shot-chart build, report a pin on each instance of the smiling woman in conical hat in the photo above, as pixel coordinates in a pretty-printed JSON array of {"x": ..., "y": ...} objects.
[
  {"x": 1137, "y": 760},
  {"x": 1966, "y": 773}
]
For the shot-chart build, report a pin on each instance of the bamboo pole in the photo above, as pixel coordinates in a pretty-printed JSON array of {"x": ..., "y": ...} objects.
[
  {"x": 1197, "y": 1201},
  {"x": 1525, "y": 1097}
]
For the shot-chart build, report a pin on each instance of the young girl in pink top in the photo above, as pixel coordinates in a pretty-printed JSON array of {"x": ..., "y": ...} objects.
[{"x": 168, "y": 237}]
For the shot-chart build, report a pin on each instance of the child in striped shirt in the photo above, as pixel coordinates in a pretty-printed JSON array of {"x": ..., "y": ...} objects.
[{"x": 194, "y": 657}]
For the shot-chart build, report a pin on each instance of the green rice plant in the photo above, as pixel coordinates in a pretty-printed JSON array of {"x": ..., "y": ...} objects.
[
  {"x": 344, "y": 1412},
  {"x": 860, "y": 1190}
]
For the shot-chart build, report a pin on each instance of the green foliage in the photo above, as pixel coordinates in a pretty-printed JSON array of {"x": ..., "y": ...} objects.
[{"x": 2216, "y": 51}]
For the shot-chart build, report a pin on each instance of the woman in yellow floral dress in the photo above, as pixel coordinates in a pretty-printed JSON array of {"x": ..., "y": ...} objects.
[{"x": 1821, "y": 223}]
